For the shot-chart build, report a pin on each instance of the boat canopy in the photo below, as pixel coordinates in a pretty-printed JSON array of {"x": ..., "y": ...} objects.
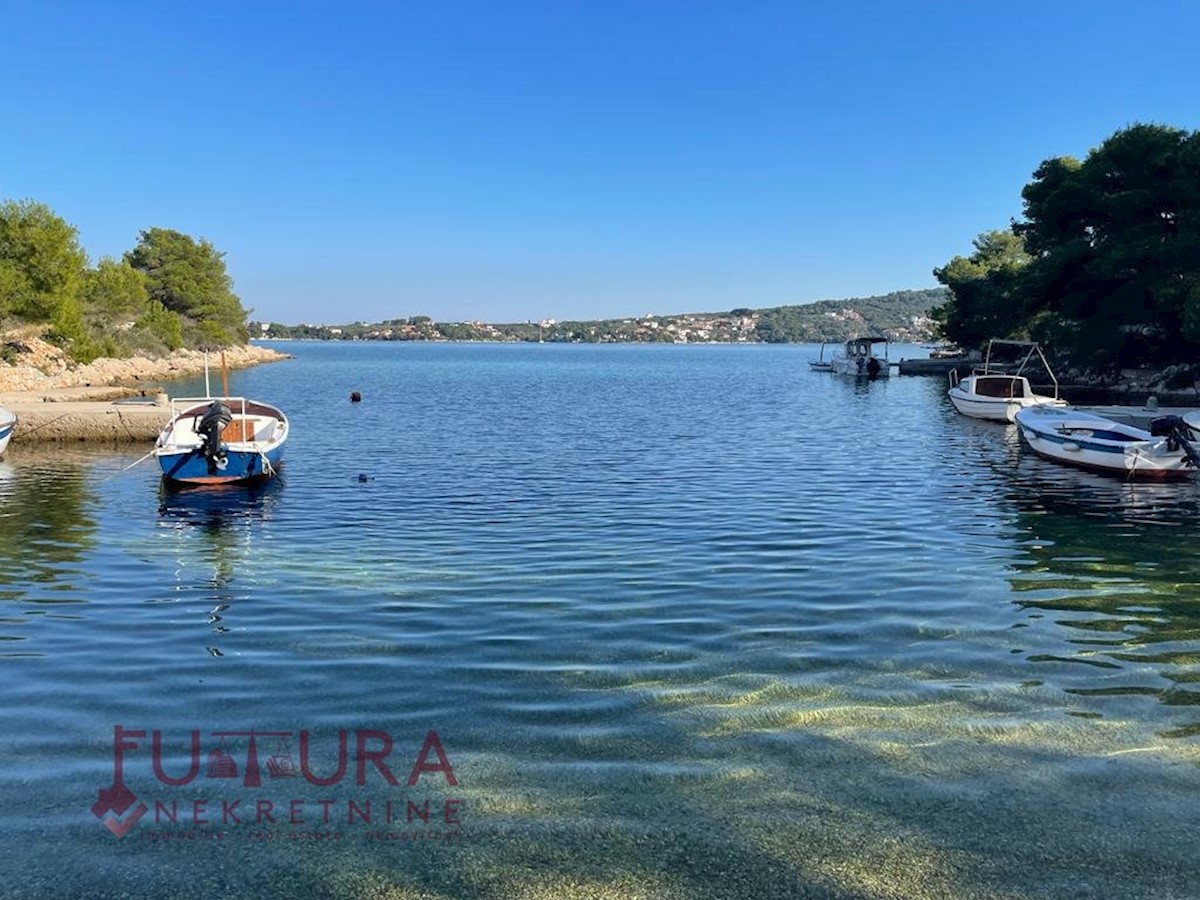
[
  {"x": 862, "y": 346},
  {"x": 990, "y": 368}
]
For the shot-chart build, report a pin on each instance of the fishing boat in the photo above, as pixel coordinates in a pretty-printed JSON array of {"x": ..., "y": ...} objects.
[
  {"x": 821, "y": 364},
  {"x": 859, "y": 358},
  {"x": 990, "y": 393},
  {"x": 8, "y": 422},
  {"x": 219, "y": 440},
  {"x": 1088, "y": 441}
]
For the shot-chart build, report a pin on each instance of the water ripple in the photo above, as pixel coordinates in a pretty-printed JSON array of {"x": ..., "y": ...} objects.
[{"x": 617, "y": 578}]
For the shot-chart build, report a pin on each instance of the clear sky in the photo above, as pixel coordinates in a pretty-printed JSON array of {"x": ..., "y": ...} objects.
[{"x": 506, "y": 161}]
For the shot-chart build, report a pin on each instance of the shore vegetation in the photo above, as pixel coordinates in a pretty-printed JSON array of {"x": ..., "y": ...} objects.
[
  {"x": 1104, "y": 264},
  {"x": 170, "y": 291}
]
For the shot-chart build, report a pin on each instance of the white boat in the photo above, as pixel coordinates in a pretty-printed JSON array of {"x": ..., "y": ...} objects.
[
  {"x": 1087, "y": 441},
  {"x": 859, "y": 358},
  {"x": 8, "y": 423},
  {"x": 995, "y": 395},
  {"x": 821, "y": 364}
]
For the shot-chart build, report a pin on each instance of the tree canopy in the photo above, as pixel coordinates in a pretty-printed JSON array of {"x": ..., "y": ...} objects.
[
  {"x": 986, "y": 290},
  {"x": 188, "y": 277},
  {"x": 41, "y": 262},
  {"x": 1105, "y": 263},
  {"x": 170, "y": 290}
]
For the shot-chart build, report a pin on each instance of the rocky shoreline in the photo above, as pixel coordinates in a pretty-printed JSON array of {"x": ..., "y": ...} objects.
[
  {"x": 1170, "y": 386},
  {"x": 1176, "y": 385},
  {"x": 32, "y": 365}
]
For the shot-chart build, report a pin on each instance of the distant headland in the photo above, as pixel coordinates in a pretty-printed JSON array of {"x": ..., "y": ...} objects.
[{"x": 903, "y": 316}]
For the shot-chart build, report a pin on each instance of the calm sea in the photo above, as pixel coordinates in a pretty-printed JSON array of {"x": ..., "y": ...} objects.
[{"x": 682, "y": 621}]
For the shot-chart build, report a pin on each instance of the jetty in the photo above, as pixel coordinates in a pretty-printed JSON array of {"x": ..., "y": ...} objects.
[
  {"x": 113, "y": 415},
  {"x": 943, "y": 366}
]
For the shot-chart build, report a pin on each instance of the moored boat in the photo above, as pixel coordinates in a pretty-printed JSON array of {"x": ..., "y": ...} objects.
[
  {"x": 859, "y": 358},
  {"x": 8, "y": 423},
  {"x": 219, "y": 440},
  {"x": 1087, "y": 441},
  {"x": 996, "y": 397},
  {"x": 988, "y": 393},
  {"x": 821, "y": 364}
]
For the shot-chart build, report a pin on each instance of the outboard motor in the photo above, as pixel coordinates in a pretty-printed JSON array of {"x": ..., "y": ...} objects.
[
  {"x": 212, "y": 423},
  {"x": 1178, "y": 435},
  {"x": 873, "y": 367}
]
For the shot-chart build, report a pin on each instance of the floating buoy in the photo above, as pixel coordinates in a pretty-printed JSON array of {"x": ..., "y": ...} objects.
[
  {"x": 363, "y": 478},
  {"x": 355, "y": 397}
]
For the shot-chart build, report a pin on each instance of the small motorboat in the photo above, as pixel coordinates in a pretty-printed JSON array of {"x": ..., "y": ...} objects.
[
  {"x": 821, "y": 364},
  {"x": 859, "y": 358},
  {"x": 996, "y": 395},
  {"x": 8, "y": 422},
  {"x": 1088, "y": 441},
  {"x": 218, "y": 440}
]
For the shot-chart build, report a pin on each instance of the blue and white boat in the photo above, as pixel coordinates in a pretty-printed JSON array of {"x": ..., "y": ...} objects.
[
  {"x": 1088, "y": 441},
  {"x": 219, "y": 440},
  {"x": 8, "y": 423}
]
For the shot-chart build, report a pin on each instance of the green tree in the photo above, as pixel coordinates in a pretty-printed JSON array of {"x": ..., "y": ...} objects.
[
  {"x": 1116, "y": 246},
  {"x": 162, "y": 325},
  {"x": 116, "y": 292},
  {"x": 1109, "y": 269},
  {"x": 14, "y": 287},
  {"x": 188, "y": 277},
  {"x": 985, "y": 291},
  {"x": 41, "y": 262}
]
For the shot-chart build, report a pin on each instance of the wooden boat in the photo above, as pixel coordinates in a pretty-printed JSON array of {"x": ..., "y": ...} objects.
[
  {"x": 219, "y": 440},
  {"x": 1087, "y": 441},
  {"x": 989, "y": 393},
  {"x": 859, "y": 358},
  {"x": 8, "y": 422}
]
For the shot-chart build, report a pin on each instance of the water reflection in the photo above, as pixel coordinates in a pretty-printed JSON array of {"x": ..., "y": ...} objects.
[
  {"x": 219, "y": 507},
  {"x": 214, "y": 527},
  {"x": 47, "y": 524},
  {"x": 1116, "y": 564}
]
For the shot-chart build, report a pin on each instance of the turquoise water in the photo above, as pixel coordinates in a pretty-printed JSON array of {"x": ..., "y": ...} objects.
[{"x": 687, "y": 621}]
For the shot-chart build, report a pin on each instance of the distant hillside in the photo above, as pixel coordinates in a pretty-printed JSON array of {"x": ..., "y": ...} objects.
[{"x": 900, "y": 316}]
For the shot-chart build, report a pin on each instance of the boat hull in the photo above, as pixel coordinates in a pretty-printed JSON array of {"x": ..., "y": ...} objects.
[
  {"x": 1091, "y": 442},
  {"x": 995, "y": 409},
  {"x": 193, "y": 467},
  {"x": 8, "y": 424}
]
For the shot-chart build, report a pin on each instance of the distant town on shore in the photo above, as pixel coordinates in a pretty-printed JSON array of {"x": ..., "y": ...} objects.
[{"x": 902, "y": 316}]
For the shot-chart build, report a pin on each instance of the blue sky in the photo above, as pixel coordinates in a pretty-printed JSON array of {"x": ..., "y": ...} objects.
[{"x": 522, "y": 160}]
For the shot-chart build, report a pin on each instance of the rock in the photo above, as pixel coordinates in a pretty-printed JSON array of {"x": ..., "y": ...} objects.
[{"x": 40, "y": 365}]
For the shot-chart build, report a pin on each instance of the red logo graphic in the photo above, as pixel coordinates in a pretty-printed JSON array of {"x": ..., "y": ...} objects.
[{"x": 389, "y": 816}]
